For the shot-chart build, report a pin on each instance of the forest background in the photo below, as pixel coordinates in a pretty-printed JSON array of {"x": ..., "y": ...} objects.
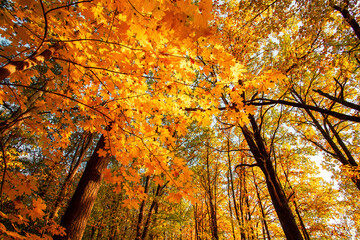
[{"x": 178, "y": 119}]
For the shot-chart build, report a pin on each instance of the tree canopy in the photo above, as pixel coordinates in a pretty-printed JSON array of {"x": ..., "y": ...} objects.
[{"x": 179, "y": 119}]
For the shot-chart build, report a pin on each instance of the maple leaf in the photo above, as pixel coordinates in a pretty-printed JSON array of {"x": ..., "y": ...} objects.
[
  {"x": 131, "y": 203},
  {"x": 237, "y": 70},
  {"x": 174, "y": 197},
  {"x": 37, "y": 211},
  {"x": 158, "y": 180},
  {"x": 102, "y": 153}
]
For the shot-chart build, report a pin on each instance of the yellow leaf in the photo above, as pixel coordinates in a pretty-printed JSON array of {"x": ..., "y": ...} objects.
[{"x": 237, "y": 69}]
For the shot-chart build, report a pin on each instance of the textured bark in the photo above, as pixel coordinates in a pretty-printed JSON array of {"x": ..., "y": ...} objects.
[
  {"x": 141, "y": 210},
  {"x": 82, "y": 202}
]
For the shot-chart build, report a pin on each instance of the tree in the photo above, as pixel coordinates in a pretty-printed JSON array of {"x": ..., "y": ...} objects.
[
  {"x": 149, "y": 79},
  {"x": 96, "y": 89}
]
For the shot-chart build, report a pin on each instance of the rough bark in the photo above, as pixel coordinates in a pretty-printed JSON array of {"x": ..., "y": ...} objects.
[{"x": 82, "y": 202}]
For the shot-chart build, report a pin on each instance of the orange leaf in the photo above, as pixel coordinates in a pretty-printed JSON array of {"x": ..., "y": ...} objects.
[{"x": 37, "y": 211}]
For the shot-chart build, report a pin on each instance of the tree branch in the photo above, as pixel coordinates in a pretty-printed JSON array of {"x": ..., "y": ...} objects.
[
  {"x": 304, "y": 106},
  {"x": 338, "y": 100},
  {"x": 349, "y": 19},
  {"x": 15, "y": 66},
  {"x": 246, "y": 165}
]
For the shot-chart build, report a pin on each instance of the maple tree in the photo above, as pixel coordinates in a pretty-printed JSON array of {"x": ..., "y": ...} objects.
[{"x": 155, "y": 119}]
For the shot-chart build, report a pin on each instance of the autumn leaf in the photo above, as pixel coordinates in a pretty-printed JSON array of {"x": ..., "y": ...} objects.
[
  {"x": 174, "y": 197},
  {"x": 38, "y": 209}
]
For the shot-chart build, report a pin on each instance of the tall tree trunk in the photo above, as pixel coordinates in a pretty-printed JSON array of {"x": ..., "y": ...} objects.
[
  {"x": 141, "y": 211},
  {"x": 212, "y": 201},
  {"x": 197, "y": 237},
  {"x": 154, "y": 204},
  {"x": 278, "y": 198},
  {"x": 229, "y": 202},
  {"x": 242, "y": 183},
  {"x": 232, "y": 182},
  {"x": 82, "y": 202}
]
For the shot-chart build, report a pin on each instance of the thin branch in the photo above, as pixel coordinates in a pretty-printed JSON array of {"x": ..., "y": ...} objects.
[
  {"x": 45, "y": 30},
  {"x": 67, "y": 5},
  {"x": 3, "y": 176},
  {"x": 230, "y": 150},
  {"x": 101, "y": 41},
  {"x": 257, "y": 15},
  {"x": 61, "y": 95},
  {"x": 246, "y": 165},
  {"x": 141, "y": 14},
  {"x": 91, "y": 67}
]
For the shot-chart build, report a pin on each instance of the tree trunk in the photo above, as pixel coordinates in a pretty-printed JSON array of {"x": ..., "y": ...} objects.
[
  {"x": 212, "y": 201},
  {"x": 82, "y": 202},
  {"x": 232, "y": 182},
  {"x": 278, "y": 198},
  {"x": 159, "y": 192},
  {"x": 141, "y": 211}
]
